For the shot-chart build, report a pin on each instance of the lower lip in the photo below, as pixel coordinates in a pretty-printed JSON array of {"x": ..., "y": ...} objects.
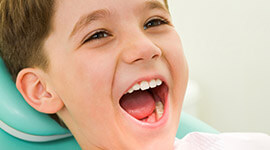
[{"x": 160, "y": 123}]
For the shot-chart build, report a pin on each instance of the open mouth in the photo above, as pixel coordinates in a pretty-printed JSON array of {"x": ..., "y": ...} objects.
[{"x": 146, "y": 101}]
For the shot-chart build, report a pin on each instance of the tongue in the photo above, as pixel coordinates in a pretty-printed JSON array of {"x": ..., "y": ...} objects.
[{"x": 138, "y": 104}]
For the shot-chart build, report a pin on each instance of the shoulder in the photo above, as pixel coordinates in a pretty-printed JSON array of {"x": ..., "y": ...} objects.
[{"x": 224, "y": 141}]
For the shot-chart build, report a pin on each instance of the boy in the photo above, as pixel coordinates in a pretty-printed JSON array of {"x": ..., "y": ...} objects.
[
  {"x": 113, "y": 71},
  {"x": 89, "y": 57}
]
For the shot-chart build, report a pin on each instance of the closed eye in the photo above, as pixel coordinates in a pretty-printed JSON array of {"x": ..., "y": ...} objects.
[
  {"x": 97, "y": 35},
  {"x": 155, "y": 22}
]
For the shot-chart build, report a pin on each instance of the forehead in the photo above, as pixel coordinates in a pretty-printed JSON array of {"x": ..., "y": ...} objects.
[
  {"x": 68, "y": 13},
  {"x": 95, "y": 4},
  {"x": 79, "y": 6}
]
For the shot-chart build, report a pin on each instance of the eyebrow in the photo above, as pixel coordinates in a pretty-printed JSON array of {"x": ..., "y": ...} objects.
[
  {"x": 103, "y": 13},
  {"x": 87, "y": 19}
]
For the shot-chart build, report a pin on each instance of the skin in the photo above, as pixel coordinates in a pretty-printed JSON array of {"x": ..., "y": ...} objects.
[{"x": 86, "y": 80}]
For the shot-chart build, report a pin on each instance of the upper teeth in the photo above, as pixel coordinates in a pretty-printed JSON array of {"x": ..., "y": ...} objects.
[{"x": 144, "y": 85}]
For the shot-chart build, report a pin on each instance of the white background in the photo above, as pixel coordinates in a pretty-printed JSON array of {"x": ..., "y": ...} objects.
[{"x": 227, "y": 44}]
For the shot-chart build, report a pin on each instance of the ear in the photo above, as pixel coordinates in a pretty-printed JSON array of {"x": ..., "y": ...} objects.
[{"x": 36, "y": 91}]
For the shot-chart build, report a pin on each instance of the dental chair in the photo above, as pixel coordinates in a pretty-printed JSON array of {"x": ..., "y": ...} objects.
[{"x": 23, "y": 128}]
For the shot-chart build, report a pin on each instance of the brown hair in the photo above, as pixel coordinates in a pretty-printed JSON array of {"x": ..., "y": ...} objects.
[
  {"x": 24, "y": 26},
  {"x": 166, "y": 3}
]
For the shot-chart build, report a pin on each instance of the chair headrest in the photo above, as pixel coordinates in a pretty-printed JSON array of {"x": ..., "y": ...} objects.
[{"x": 21, "y": 120}]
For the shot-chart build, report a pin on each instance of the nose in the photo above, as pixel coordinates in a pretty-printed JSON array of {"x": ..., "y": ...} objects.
[{"x": 139, "y": 48}]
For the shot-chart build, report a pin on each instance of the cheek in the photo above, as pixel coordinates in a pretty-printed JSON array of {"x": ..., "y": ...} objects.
[
  {"x": 84, "y": 85},
  {"x": 173, "y": 53}
]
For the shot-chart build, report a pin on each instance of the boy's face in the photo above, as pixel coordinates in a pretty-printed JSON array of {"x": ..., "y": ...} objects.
[{"x": 98, "y": 49}]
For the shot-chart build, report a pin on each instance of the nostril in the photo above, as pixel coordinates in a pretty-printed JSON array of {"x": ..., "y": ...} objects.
[
  {"x": 155, "y": 56},
  {"x": 143, "y": 51},
  {"x": 138, "y": 59}
]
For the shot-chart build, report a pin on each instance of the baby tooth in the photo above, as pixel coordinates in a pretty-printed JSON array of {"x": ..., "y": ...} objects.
[
  {"x": 158, "y": 82},
  {"x": 152, "y": 83},
  {"x": 159, "y": 109},
  {"x": 136, "y": 87},
  {"x": 130, "y": 90},
  {"x": 144, "y": 85}
]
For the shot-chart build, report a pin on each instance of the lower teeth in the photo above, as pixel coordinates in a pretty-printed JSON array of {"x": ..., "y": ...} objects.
[
  {"x": 158, "y": 112},
  {"x": 159, "y": 109}
]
